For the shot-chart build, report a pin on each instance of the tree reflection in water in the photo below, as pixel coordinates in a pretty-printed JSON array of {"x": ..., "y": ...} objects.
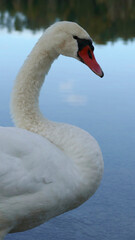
[{"x": 106, "y": 20}]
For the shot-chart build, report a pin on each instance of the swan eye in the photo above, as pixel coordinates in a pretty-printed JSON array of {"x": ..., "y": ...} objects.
[
  {"x": 83, "y": 43},
  {"x": 92, "y": 47}
]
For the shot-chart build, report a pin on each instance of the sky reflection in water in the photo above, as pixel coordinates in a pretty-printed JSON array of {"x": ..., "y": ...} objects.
[{"x": 105, "y": 108}]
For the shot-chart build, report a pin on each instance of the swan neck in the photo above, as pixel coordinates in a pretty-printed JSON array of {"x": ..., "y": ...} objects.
[{"x": 25, "y": 96}]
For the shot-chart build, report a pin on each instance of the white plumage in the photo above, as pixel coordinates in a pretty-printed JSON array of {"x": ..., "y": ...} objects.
[{"x": 46, "y": 168}]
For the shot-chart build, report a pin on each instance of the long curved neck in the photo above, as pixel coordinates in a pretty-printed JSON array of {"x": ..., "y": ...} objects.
[{"x": 24, "y": 102}]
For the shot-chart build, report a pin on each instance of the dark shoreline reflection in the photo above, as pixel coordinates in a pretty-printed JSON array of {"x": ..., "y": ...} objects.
[{"x": 106, "y": 20}]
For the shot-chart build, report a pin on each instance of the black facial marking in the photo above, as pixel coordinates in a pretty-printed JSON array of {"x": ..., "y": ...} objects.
[{"x": 83, "y": 43}]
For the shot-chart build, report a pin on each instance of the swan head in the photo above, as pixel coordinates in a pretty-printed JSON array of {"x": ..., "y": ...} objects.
[{"x": 73, "y": 41}]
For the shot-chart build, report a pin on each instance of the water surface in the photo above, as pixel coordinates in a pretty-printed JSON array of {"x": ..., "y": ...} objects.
[{"x": 105, "y": 108}]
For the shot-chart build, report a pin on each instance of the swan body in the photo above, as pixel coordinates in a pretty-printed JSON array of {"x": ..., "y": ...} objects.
[{"x": 46, "y": 168}]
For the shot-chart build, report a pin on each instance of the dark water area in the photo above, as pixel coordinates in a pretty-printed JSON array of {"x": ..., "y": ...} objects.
[
  {"x": 106, "y": 20},
  {"x": 73, "y": 94}
]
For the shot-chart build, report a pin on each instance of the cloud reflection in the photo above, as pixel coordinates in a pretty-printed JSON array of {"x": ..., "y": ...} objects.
[
  {"x": 78, "y": 100},
  {"x": 66, "y": 86},
  {"x": 69, "y": 96}
]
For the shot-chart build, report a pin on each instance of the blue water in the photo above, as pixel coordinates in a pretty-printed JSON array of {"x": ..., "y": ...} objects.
[{"x": 106, "y": 109}]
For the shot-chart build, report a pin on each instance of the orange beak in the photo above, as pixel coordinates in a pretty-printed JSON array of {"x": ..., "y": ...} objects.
[{"x": 86, "y": 55}]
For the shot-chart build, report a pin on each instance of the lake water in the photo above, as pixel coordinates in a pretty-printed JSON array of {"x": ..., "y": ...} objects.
[{"x": 106, "y": 109}]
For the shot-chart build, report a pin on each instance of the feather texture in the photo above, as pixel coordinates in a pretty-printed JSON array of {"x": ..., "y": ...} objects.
[{"x": 46, "y": 168}]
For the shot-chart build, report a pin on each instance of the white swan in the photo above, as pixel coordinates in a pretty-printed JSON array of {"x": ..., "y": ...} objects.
[{"x": 51, "y": 167}]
